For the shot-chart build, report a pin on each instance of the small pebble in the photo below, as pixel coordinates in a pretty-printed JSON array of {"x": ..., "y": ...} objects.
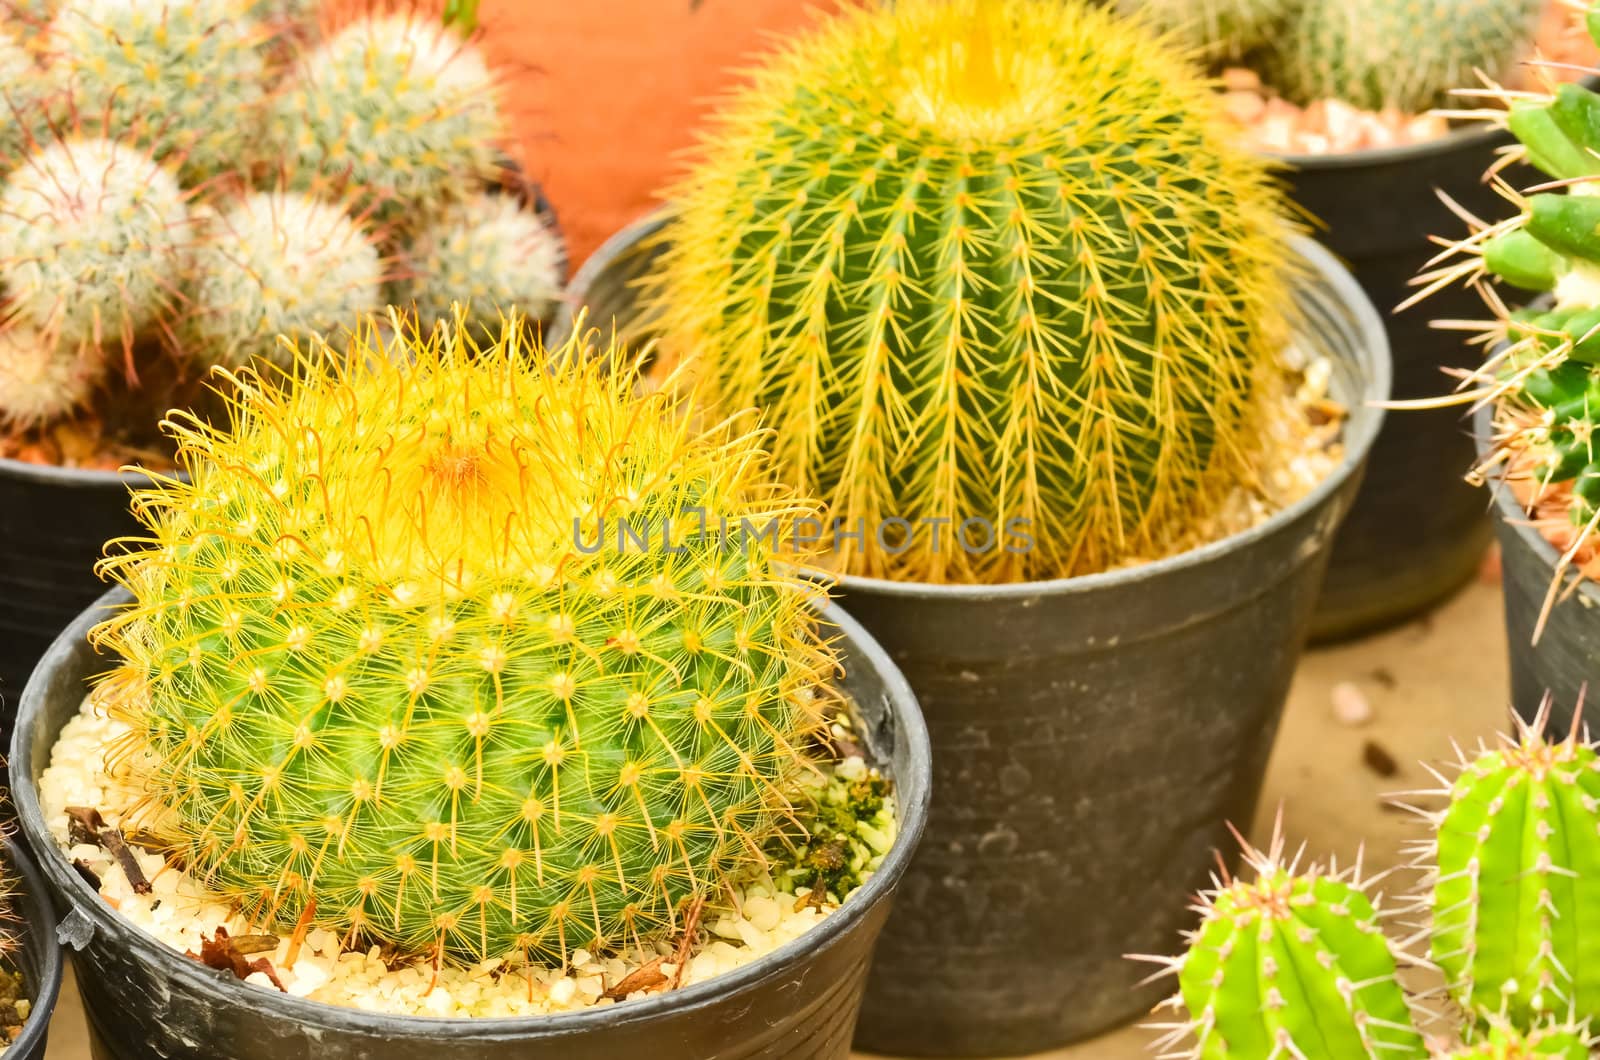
[{"x": 1350, "y": 705}]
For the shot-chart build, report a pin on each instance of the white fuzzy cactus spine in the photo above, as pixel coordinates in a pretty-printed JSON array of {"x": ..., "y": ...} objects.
[
  {"x": 21, "y": 92},
  {"x": 489, "y": 252},
  {"x": 279, "y": 263},
  {"x": 93, "y": 236},
  {"x": 42, "y": 379},
  {"x": 398, "y": 108},
  {"x": 185, "y": 78}
]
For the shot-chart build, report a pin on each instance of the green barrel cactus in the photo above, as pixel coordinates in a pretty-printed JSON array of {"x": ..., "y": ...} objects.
[
  {"x": 186, "y": 79},
  {"x": 1504, "y": 1042},
  {"x": 278, "y": 266},
  {"x": 984, "y": 267},
  {"x": 1215, "y": 29},
  {"x": 488, "y": 252},
  {"x": 1291, "y": 964},
  {"x": 448, "y": 647},
  {"x": 398, "y": 108},
  {"x": 1402, "y": 54},
  {"x": 1515, "y": 882},
  {"x": 95, "y": 235}
]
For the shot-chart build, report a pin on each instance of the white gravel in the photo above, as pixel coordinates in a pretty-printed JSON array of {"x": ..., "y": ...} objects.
[{"x": 180, "y": 913}]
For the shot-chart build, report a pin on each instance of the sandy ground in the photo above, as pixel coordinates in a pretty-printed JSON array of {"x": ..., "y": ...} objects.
[{"x": 1441, "y": 676}]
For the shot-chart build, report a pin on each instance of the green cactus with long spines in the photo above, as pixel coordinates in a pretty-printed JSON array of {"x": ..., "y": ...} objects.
[
  {"x": 399, "y": 108},
  {"x": 488, "y": 252},
  {"x": 186, "y": 79},
  {"x": 279, "y": 266},
  {"x": 93, "y": 237},
  {"x": 1402, "y": 54},
  {"x": 1504, "y": 1042},
  {"x": 995, "y": 263},
  {"x": 1215, "y": 29},
  {"x": 406, "y": 671},
  {"x": 1516, "y": 880},
  {"x": 1290, "y": 964}
]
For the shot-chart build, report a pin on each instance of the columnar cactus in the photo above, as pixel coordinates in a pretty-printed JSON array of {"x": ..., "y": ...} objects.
[
  {"x": 993, "y": 263},
  {"x": 279, "y": 264},
  {"x": 398, "y": 107},
  {"x": 408, "y": 667},
  {"x": 1291, "y": 964},
  {"x": 93, "y": 236},
  {"x": 1515, "y": 880},
  {"x": 488, "y": 252},
  {"x": 1215, "y": 29},
  {"x": 185, "y": 78},
  {"x": 1504, "y": 1042},
  {"x": 1404, "y": 54},
  {"x": 41, "y": 378}
]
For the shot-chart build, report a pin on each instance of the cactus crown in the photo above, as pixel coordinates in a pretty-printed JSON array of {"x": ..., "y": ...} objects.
[
  {"x": 1289, "y": 964},
  {"x": 389, "y": 688},
  {"x": 1515, "y": 874},
  {"x": 986, "y": 261}
]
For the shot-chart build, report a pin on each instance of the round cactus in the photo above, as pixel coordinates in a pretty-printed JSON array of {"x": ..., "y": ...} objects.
[
  {"x": 992, "y": 263},
  {"x": 42, "y": 379},
  {"x": 1504, "y": 1042},
  {"x": 398, "y": 677},
  {"x": 1291, "y": 964},
  {"x": 21, "y": 113},
  {"x": 491, "y": 254},
  {"x": 1402, "y": 54},
  {"x": 185, "y": 78},
  {"x": 1215, "y": 29},
  {"x": 94, "y": 234},
  {"x": 1516, "y": 877},
  {"x": 396, "y": 107},
  {"x": 279, "y": 264}
]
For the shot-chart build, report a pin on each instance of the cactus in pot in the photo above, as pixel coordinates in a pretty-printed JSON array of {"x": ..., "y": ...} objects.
[
  {"x": 966, "y": 282},
  {"x": 398, "y": 680}
]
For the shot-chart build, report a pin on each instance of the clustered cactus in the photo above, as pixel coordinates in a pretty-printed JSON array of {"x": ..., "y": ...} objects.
[
  {"x": 1376, "y": 54},
  {"x": 1296, "y": 964},
  {"x": 189, "y": 176},
  {"x": 974, "y": 292},
  {"x": 399, "y": 679}
]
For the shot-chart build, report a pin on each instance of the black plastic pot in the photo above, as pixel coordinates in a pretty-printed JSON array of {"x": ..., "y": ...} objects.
[
  {"x": 799, "y": 1002},
  {"x": 1567, "y": 655},
  {"x": 1093, "y": 734},
  {"x": 1417, "y": 531},
  {"x": 38, "y": 959}
]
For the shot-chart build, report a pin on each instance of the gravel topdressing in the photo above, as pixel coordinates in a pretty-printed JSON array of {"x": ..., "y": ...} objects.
[{"x": 758, "y": 917}]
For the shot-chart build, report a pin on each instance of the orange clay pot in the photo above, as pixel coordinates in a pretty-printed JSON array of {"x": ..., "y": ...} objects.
[{"x": 605, "y": 93}]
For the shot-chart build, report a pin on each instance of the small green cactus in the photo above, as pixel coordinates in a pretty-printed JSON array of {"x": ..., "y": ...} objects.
[
  {"x": 42, "y": 379},
  {"x": 1515, "y": 879},
  {"x": 1009, "y": 270},
  {"x": 1290, "y": 964},
  {"x": 398, "y": 108},
  {"x": 93, "y": 238},
  {"x": 403, "y": 671},
  {"x": 1215, "y": 29},
  {"x": 488, "y": 252},
  {"x": 1504, "y": 1042},
  {"x": 279, "y": 264},
  {"x": 185, "y": 78},
  {"x": 1402, "y": 54}
]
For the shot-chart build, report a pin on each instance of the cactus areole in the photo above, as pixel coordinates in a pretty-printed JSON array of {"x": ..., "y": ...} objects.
[
  {"x": 390, "y": 688},
  {"x": 991, "y": 260}
]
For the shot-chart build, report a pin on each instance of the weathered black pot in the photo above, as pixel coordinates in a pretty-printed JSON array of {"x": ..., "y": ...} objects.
[
  {"x": 1093, "y": 735},
  {"x": 1567, "y": 655},
  {"x": 39, "y": 957},
  {"x": 1417, "y": 531},
  {"x": 143, "y": 1000}
]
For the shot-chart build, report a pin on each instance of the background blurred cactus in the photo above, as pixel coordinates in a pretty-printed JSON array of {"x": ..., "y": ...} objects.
[
  {"x": 1215, "y": 29},
  {"x": 1503, "y": 1042},
  {"x": 1288, "y": 964},
  {"x": 41, "y": 378},
  {"x": 1404, "y": 54},
  {"x": 970, "y": 281},
  {"x": 396, "y": 643}
]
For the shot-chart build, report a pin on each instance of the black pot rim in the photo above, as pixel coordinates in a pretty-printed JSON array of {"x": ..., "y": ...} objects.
[
  {"x": 1512, "y": 513},
  {"x": 38, "y": 919},
  {"x": 913, "y": 795},
  {"x": 1377, "y": 370},
  {"x": 74, "y": 477},
  {"x": 1462, "y": 139}
]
